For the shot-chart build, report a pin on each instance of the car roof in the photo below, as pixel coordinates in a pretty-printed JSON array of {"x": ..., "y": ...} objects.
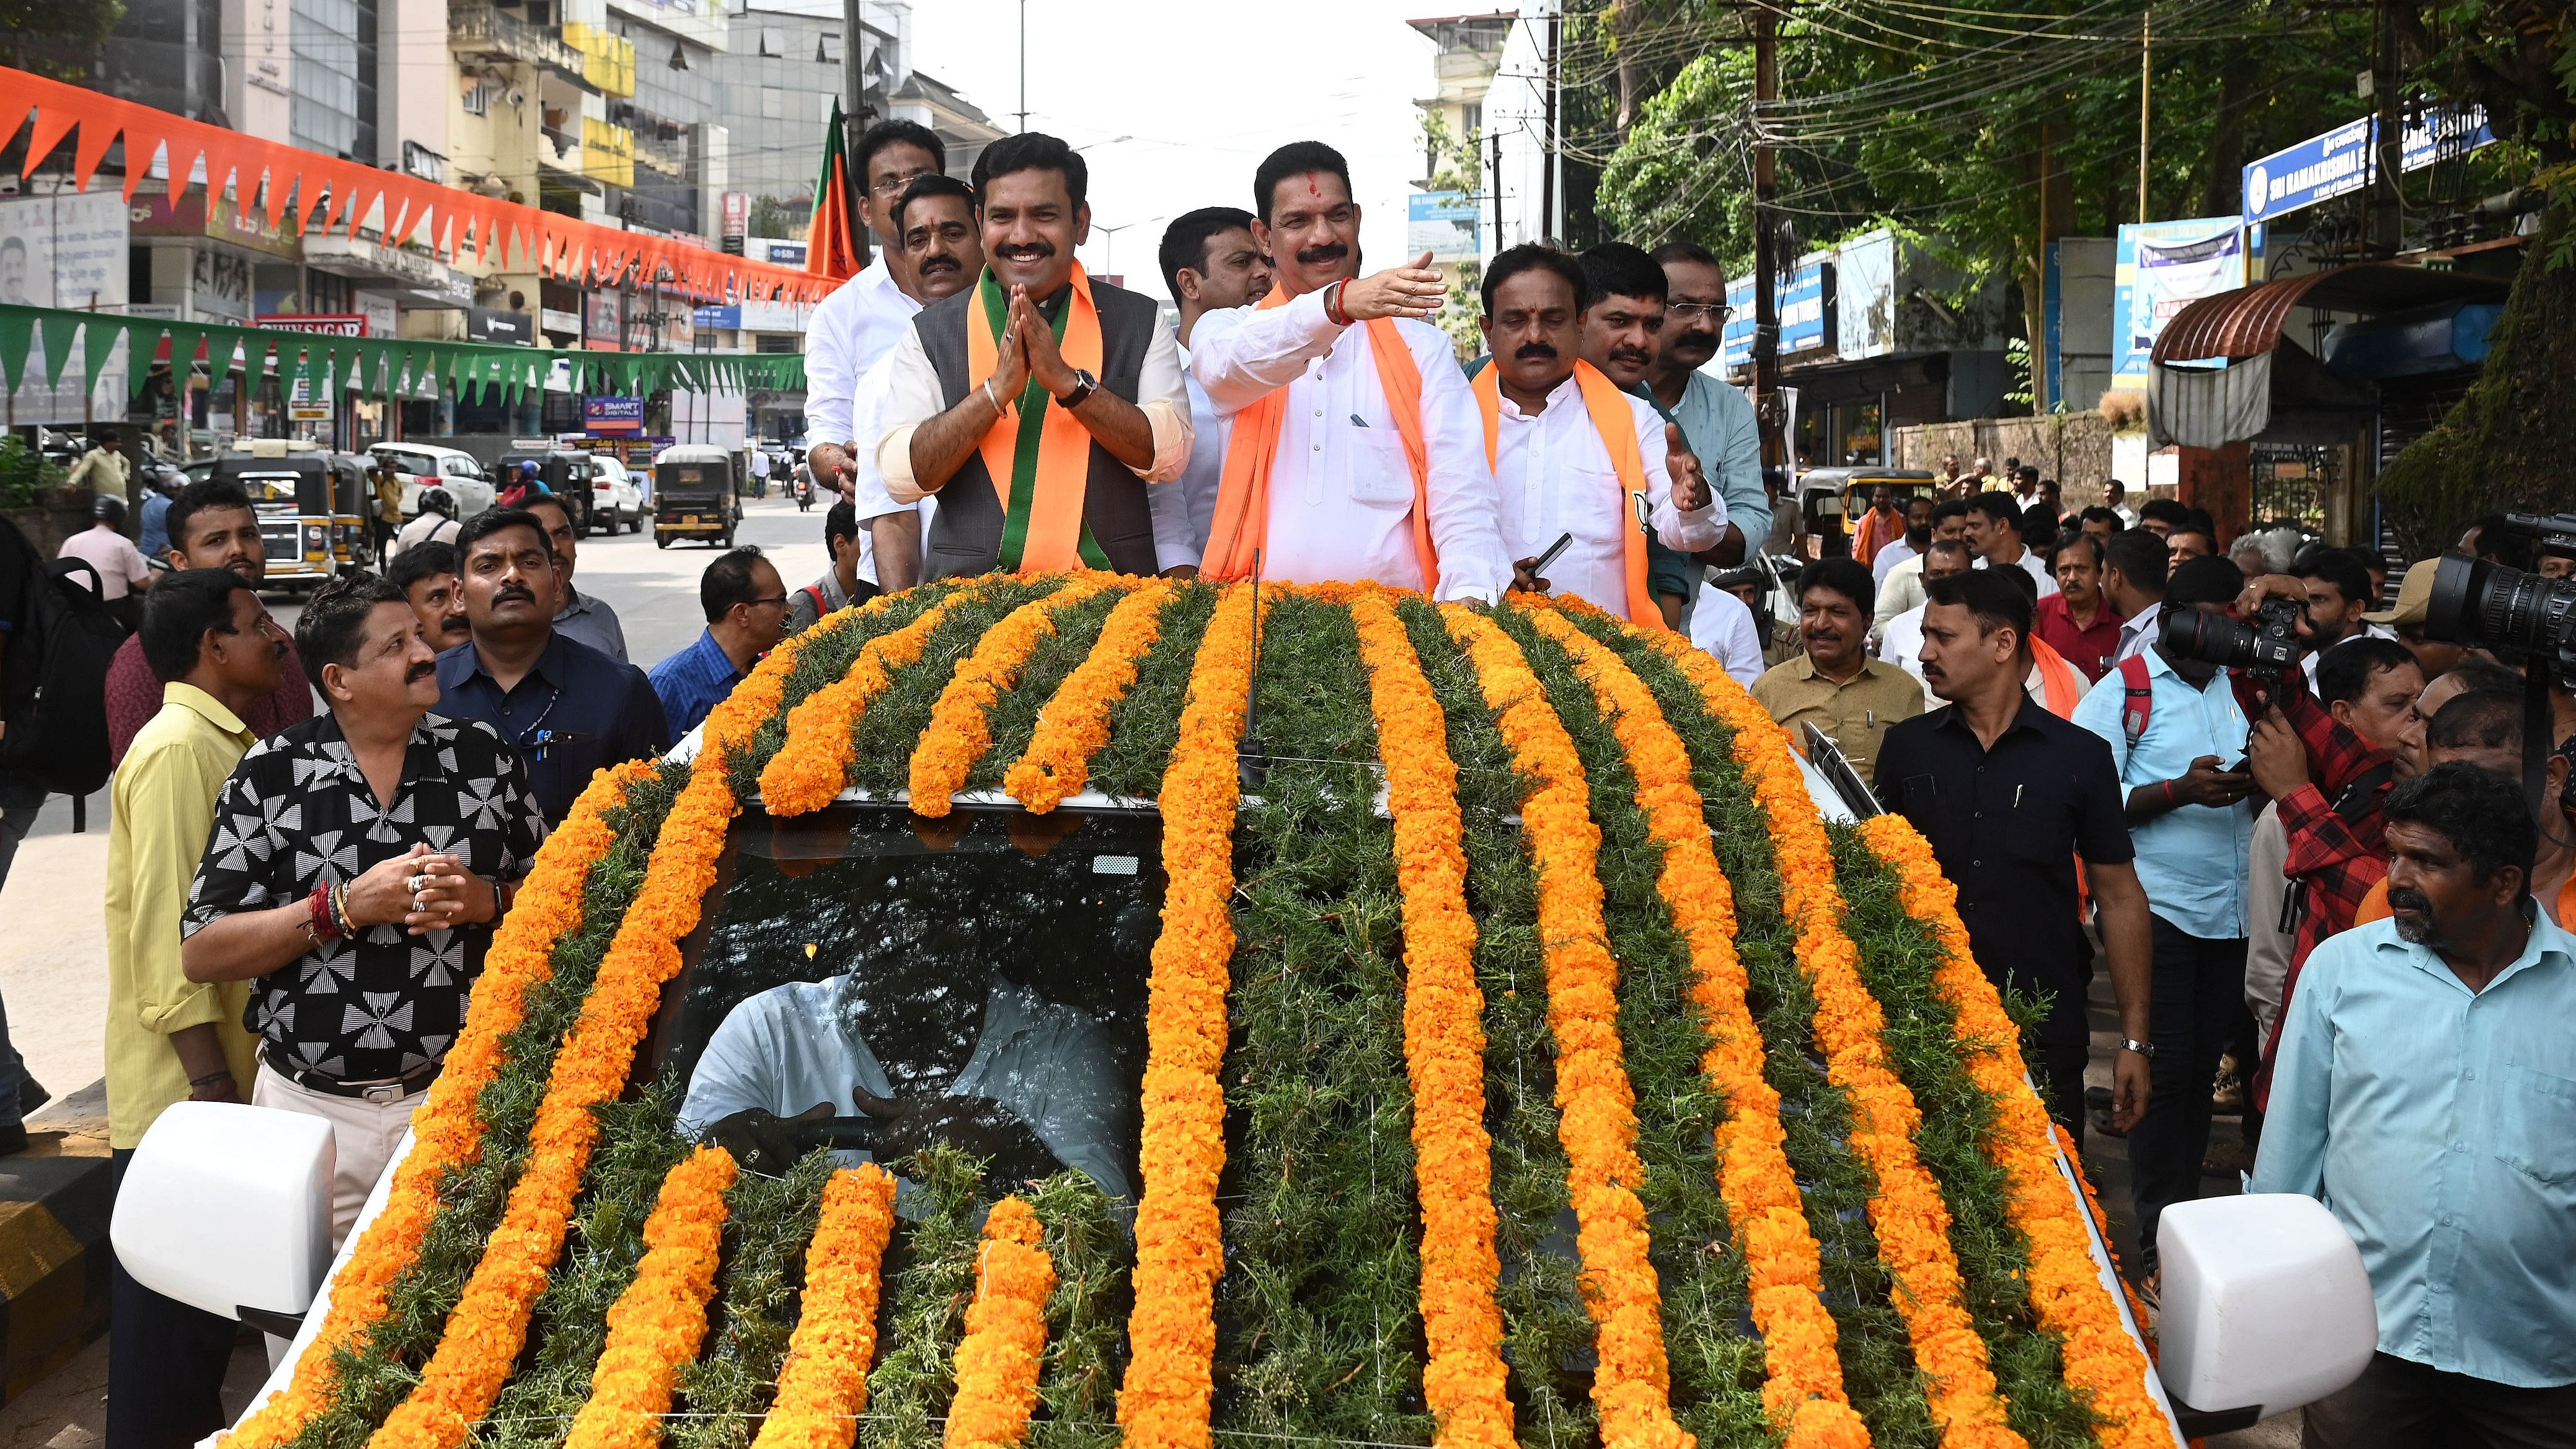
[{"x": 432, "y": 449}]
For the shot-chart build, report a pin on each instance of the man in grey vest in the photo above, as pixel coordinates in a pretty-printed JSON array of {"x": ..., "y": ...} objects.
[{"x": 1037, "y": 405}]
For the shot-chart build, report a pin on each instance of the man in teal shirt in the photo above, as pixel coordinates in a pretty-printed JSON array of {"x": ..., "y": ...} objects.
[
  {"x": 1715, "y": 418},
  {"x": 2425, "y": 1091}
]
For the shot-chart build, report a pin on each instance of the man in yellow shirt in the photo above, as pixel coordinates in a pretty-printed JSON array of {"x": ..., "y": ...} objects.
[
  {"x": 1834, "y": 684},
  {"x": 215, "y": 651}
]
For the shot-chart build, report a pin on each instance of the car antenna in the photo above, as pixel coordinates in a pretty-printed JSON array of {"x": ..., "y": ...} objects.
[{"x": 1251, "y": 764}]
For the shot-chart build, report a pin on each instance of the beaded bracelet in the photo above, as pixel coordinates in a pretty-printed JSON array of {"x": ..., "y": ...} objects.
[{"x": 320, "y": 923}]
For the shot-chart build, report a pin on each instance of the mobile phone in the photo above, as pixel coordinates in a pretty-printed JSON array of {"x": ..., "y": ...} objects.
[{"x": 1549, "y": 557}]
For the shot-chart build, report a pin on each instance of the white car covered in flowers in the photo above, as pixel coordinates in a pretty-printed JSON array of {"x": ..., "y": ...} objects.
[{"x": 1022, "y": 1012}]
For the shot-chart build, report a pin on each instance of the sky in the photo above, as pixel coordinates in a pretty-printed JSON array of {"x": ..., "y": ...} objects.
[{"x": 1174, "y": 102}]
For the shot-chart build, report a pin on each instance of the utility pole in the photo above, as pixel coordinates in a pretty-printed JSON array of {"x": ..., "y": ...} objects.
[
  {"x": 1547, "y": 164},
  {"x": 1494, "y": 184},
  {"x": 2387, "y": 163},
  {"x": 2146, "y": 54},
  {"x": 854, "y": 107},
  {"x": 1024, "y": 64},
  {"x": 1767, "y": 411}
]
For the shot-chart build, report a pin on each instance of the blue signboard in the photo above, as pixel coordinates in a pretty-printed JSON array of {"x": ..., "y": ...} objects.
[
  {"x": 1443, "y": 223},
  {"x": 2162, "y": 267},
  {"x": 2339, "y": 162},
  {"x": 729, "y": 317},
  {"x": 1805, "y": 299}
]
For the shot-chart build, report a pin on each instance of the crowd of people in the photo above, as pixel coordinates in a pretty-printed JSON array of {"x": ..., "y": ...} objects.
[{"x": 314, "y": 836}]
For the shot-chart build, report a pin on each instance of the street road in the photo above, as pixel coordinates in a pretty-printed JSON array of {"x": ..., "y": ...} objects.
[{"x": 53, "y": 952}]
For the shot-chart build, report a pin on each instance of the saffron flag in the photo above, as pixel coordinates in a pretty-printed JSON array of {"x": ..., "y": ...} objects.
[{"x": 831, "y": 239}]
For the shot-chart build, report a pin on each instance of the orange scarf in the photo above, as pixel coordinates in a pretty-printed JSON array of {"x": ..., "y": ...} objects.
[
  {"x": 1243, "y": 497},
  {"x": 1617, "y": 427},
  {"x": 2060, "y": 685},
  {"x": 1042, "y": 529}
]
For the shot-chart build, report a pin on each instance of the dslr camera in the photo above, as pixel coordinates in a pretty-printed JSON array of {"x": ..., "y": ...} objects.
[
  {"x": 2265, "y": 646},
  {"x": 2480, "y": 602}
]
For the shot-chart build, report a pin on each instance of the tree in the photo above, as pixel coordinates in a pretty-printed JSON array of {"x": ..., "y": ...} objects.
[{"x": 58, "y": 38}]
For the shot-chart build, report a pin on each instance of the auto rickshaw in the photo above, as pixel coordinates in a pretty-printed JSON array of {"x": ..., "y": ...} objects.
[
  {"x": 1829, "y": 498},
  {"x": 694, "y": 488},
  {"x": 312, "y": 505},
  {"x": 565, "y": 472}
]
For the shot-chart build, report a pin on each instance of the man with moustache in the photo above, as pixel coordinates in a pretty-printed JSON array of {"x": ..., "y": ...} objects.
[
  {"x": 943, "y": 243},
  {"x": 171, "y": 1039},
  {"x": 1717, "y": 422},
  {"x": 2009, "y": 795},
  {"x": 1902, "y": 589},
  {"x": 211, "y": 527},
  {"x": 1834, "y": 684},
  {"x": 427, "y": 575},
  {"x": 1880, "y": 525},
  {"x": 1353, "y": 449},
  {"x": 2077, "y": 621},
  {"x": 1994, "y": 535},
  {"x": 860, "y": 322},
  {"x": 1620, "y": 328},
  {"x": 1916, "y": 538},
  {"x": 1039, "y": 404},
  {"x": 358, "y": 865},
  {"x": 1210, "y": 264},
  {"x": 585, "y": 617},
  {"x": 746, "y": 604},
  {"x": 2423, "y": 1094},
  {"x": 565, "y": 708},
  {"x": 1570, "y": 451},
  {"x": 1901, "y": 642}
]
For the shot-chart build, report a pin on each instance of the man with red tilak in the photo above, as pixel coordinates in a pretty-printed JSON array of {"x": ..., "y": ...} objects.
[{"x": 1353, "y": 447}]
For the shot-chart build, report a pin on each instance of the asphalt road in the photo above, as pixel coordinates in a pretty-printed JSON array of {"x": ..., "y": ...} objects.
[{"x": 53, "y": 949}]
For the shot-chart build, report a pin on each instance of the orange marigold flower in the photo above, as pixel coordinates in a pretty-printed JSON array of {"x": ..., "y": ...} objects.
[
  {"x": 1597, "y": 1121},
  {"x": 1444, "y": 1042},
  {"x": 1171, "y": 1331},
  {"x": 809, "y": 769},
  {"x": 1006, "y": 1331},
  {"x": 656, "y": 1325},
  {"x": 1803, "y": 1391},
  {"x": 445, "y": 1131},
  {"x": 1075, "y": 723},
  {"x": 959, "y": 731},
  {"x": 823, "y": 1385}
]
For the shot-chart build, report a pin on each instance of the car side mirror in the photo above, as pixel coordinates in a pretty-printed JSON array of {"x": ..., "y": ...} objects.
[
  {"x": 2266, "y": 1307},
  {"x": 227, "y": 1208}
]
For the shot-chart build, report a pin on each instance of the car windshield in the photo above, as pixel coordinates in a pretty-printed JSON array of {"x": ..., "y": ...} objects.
[
  {"x": 980, "y": 977},
  {"x": 419, "y": 464}
]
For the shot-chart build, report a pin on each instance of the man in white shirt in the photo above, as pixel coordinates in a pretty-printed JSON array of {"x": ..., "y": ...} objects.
[
  {"x": 2114, "y": 496},
  {"x": 1722, "y": 626},
  {"x": 943, "y": 253},
  {"x": 1917, "y": 538},
  {"x": 121, "y": 569},
  {"x": 1903, "y": 587},
  {"x": 1211, "y": 263},
  {"x": 1038, "y": 404},
  {"x": 1335, "y": 470},
  {"x": 1558, "y": 469},
  {"x": 1994, "y": 534},
  {"x": 859, "y": 322},
  {"x": 2134, "y": 565},
  {"x": 1901, "y": 643}
]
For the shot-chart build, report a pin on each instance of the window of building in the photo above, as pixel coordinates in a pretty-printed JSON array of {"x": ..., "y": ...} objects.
[{"x": 773, "y": 104}]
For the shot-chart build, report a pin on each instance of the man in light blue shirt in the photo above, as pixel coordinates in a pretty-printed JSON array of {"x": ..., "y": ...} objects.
[
  {"x": 2192, "y": 820},
  {"x": 2425, "y": 1092},
  {"x": 1716, "y": 420}
]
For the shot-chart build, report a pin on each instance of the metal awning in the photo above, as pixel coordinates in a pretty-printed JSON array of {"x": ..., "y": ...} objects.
[{"x": 2247, "y": 321}]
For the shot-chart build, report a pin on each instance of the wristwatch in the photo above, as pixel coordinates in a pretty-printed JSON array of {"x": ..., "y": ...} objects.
[
  {"x": 1083, "y": 384},
  {"x": 2142, "y": 1048}
]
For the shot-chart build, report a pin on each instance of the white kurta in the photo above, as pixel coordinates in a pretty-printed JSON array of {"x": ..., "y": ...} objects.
[
  {"x": 1553, "y": 475},
  {"x": 1722, "y": 627},
  {"x": 852, "y": 328},
  {"x": 913, "y": 396},
  {"x": 1341, "y": 488},
  {"x": 1185, "y": 512}
]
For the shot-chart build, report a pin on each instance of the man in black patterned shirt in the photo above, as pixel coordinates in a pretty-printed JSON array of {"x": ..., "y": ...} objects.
[{"x": 358, "y": 865}]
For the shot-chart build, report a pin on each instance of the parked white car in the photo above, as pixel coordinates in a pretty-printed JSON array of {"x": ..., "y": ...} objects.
[
  {"x": 425, "y": 465},
  {"x": 615, "y": 499}
]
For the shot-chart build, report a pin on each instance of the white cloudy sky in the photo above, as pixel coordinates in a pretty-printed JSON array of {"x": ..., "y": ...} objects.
[{"x": 1201, "y": 90}]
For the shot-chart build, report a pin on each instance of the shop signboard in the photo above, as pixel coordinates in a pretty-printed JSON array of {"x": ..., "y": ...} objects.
[
  {"x": 603, "y": 320},
  {"x": 487, "y": 324},
  {"x": 612, "y": 416},
  {"x": 1806, "y": 304},
  {"x": 2159, "y": 268},
  {"x": 1443, "y": 223},
  {"x": 2321, "y": 168},
  {"x": 325, "y": 324}
]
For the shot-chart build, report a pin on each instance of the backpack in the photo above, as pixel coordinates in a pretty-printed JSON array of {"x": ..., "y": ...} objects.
[
  {"x": 53, "y": 684},
  {"x": 2138, "y": 702}
]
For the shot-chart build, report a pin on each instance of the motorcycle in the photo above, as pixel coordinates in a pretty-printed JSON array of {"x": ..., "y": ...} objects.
[{"x": 804, "y": 486}]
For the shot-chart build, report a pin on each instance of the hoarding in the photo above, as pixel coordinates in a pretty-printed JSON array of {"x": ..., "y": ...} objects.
[
  {"x": 1807, "y": 314},
  {"x": 605, "y": 416},
  {"x": 2160, "y": 268},
  {"x": 1443, "y": 223},
  {"x": 323, "y": 324},
  {"x": 2338, "y": 162}
]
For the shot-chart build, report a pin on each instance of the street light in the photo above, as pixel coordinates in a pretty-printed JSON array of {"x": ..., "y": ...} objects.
[{"x": 1109, "y": 260}]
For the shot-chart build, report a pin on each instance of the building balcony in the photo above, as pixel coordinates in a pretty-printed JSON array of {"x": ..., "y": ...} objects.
[{"x": 483, "y": 31}]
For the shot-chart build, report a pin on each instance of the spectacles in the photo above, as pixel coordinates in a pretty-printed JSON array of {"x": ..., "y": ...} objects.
[
  {"x": 894, "y": 185},
  {"x": 774, "y": 600},
  {"x": 1713, "y": 311}
]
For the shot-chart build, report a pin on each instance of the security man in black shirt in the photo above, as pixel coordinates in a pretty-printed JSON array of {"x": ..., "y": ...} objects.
[{"x": 2009, "y": 795}]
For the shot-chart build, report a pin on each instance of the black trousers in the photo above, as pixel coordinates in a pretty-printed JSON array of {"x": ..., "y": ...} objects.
[
  {"x": 2399, "y": 1404},
  {"x": 165, "y": 1361},
  {"x": 2199, "y": 987},
  {"x": 2060, "y": 1073}
]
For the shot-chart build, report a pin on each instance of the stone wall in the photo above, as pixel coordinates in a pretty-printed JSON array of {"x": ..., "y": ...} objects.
[
  {"x": 46, "y": 526},
  {"x": 2073, "y": 448}
]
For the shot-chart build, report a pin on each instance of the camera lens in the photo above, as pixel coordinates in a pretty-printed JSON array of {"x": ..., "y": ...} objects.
[
  {"x": 2209, "y": 637},
  {"x": 2483, "y": 603}
]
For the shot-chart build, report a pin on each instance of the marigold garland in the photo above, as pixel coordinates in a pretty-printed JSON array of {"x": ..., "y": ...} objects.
[
  {"x": 489, "y": 1324},
  {"x": 1163, "y": 1400},
  {"x": 1006, "y": 1332},
  {"x": 2066, "y": 1288},
  {"x": 1804, "y": 1388},
  {"x": 656, "y": 1325},
  {"x": 1596, "y": 1105},
  {"x": 823, "y": 1384},
  {"x": 1444, "y": 1043},
  {"x": 446, "y": 1131},
  {"x": 809, "y": 769},
  {"x": 1075, "y": 723},
  {"x": 960, "y": 730},
  {"x": 1907, "y": 1212}
]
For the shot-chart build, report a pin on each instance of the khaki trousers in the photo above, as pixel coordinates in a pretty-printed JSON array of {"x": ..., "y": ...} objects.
[{"x": 364, "y": 1133}]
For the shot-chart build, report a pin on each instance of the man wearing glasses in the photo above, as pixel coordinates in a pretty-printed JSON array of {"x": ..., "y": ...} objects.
[
  {"x": 746, "y": 608},
  {"x": 864, "y": 317},
  {"x": 1715, "y": 418}
]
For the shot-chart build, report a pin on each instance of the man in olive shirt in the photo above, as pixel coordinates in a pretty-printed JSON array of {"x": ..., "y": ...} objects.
[{"x": 1835, "y": 685}]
